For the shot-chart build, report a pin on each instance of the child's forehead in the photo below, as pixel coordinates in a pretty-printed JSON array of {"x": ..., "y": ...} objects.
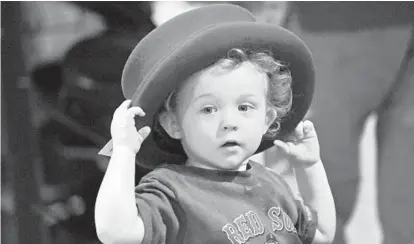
[{"x": 215, "y": 78}]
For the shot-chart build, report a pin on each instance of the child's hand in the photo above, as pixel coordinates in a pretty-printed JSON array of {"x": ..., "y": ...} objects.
[
  {"x": 123, "y": 130},
  {"x": 302, "y": 147}
]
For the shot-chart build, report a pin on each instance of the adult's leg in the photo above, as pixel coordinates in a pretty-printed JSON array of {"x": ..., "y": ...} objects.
[
  {"x": 354, "y": 71},
  {"x": 395, "y": 155}
]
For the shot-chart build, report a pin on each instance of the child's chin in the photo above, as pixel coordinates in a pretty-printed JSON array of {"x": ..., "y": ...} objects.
[{"x": 232, "y": 163}]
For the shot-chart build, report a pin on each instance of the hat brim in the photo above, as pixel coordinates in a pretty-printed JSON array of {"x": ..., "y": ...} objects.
[{"x": 203, "y": 49}]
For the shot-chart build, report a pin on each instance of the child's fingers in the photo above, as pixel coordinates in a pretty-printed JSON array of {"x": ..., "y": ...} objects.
[
  {"x": 308, "y": 128},
  {"x": 125, "y": 105},
  {"x": 298, "y": 132},
  {"x": 282, "y": 146},
  {"x": 144, "y": 132},
  {"x": 136, "y": 111}
]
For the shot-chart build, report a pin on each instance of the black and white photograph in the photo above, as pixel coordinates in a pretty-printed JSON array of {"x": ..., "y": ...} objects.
[{"x": 207, "y": 122}]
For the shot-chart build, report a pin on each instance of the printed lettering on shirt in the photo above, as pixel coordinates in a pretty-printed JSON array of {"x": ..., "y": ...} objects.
[
  {"x": 249, "y": 225},
  {"x": 289, "y": 226},
  {"x": 255, "y": 222},
  {"x": 277, "y": 223},
  {"x": 245, "y": 230},
  {"x": 232, "y": 234}
]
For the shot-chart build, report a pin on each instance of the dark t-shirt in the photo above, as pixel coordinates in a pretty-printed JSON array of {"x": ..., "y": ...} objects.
[{"x": 187, "y": 205}]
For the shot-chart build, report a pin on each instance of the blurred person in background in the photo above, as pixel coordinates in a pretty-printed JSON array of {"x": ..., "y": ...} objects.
[
  {"x": 363, "y": 56},
  {"x": 103, "y": 56},
  {"x": 71, "y": 56}
]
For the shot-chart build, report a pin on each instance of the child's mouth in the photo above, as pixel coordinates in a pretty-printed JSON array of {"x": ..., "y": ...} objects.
[{"x": 229, "y": 144}]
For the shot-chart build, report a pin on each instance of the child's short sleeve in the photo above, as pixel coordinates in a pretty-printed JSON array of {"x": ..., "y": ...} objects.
[
  {"x": 155, "y": 203},
  {"x": 306, "y": 223}
]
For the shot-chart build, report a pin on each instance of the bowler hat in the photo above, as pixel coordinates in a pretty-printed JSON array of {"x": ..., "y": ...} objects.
[{"x": 193, "y": 41}]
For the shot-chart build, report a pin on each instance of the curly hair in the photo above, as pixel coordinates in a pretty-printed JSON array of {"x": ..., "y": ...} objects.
[{"x": 279, "y": 91}]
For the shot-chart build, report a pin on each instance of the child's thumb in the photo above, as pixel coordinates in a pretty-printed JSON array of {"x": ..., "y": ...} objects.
[
  {"x": 144, "y": 132},
  {"x": 281, "y": 146}
]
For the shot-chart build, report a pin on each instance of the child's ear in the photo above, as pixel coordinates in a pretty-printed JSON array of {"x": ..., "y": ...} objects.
[
  {"x": 271, "y": 115},
  {"x": 170, "y": 124}
]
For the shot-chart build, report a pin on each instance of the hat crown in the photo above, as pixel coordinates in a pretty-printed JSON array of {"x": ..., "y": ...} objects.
[{"x": 171, "y": 34}]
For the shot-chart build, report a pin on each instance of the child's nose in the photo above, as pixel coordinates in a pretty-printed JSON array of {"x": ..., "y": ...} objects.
[
  {"x": 229, "y": 121},
  {"x": 230, "y": 127}
]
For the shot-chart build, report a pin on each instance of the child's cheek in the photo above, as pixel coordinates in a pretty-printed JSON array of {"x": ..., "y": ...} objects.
[
  {"x": 205, "y": 123},
  {"x": 254, "y": 115},
  {"x": 256, "y": 118}
]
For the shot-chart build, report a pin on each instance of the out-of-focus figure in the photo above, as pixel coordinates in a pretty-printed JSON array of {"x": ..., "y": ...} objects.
[
  {"x": 363, "y": 53},
  {"x": 75, "y": 53}
]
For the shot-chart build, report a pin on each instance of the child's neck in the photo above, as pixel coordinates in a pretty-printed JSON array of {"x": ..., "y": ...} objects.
[{"x": 196, "y": 163}]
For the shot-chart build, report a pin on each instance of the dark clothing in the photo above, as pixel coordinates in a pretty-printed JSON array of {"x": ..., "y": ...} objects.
[{"x": 187, "y": 205}]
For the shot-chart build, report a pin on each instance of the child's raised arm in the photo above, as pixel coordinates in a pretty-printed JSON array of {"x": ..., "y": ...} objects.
[
  {"x": 316, "y": 192},
  {"x": 116, "y": 213},
  {"x": 304, "y": 154}
]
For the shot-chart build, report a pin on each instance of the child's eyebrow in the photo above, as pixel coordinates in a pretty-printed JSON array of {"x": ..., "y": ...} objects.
[
  {"x": 211, "y": 95},
  {"x": 203, "y": 96},
  {"x": 248, "y": 95}
]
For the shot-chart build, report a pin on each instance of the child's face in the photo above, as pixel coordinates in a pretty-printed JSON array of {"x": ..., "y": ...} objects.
[{"x": 221, "y": 117}]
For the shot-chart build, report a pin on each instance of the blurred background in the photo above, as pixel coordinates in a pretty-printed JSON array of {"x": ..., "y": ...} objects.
[{"x": 61, "y": 69}]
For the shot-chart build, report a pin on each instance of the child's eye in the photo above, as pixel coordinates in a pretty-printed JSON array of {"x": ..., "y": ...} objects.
[
  {"x": 209, "y": 110},
  {"x": 245, "y": 107}
]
